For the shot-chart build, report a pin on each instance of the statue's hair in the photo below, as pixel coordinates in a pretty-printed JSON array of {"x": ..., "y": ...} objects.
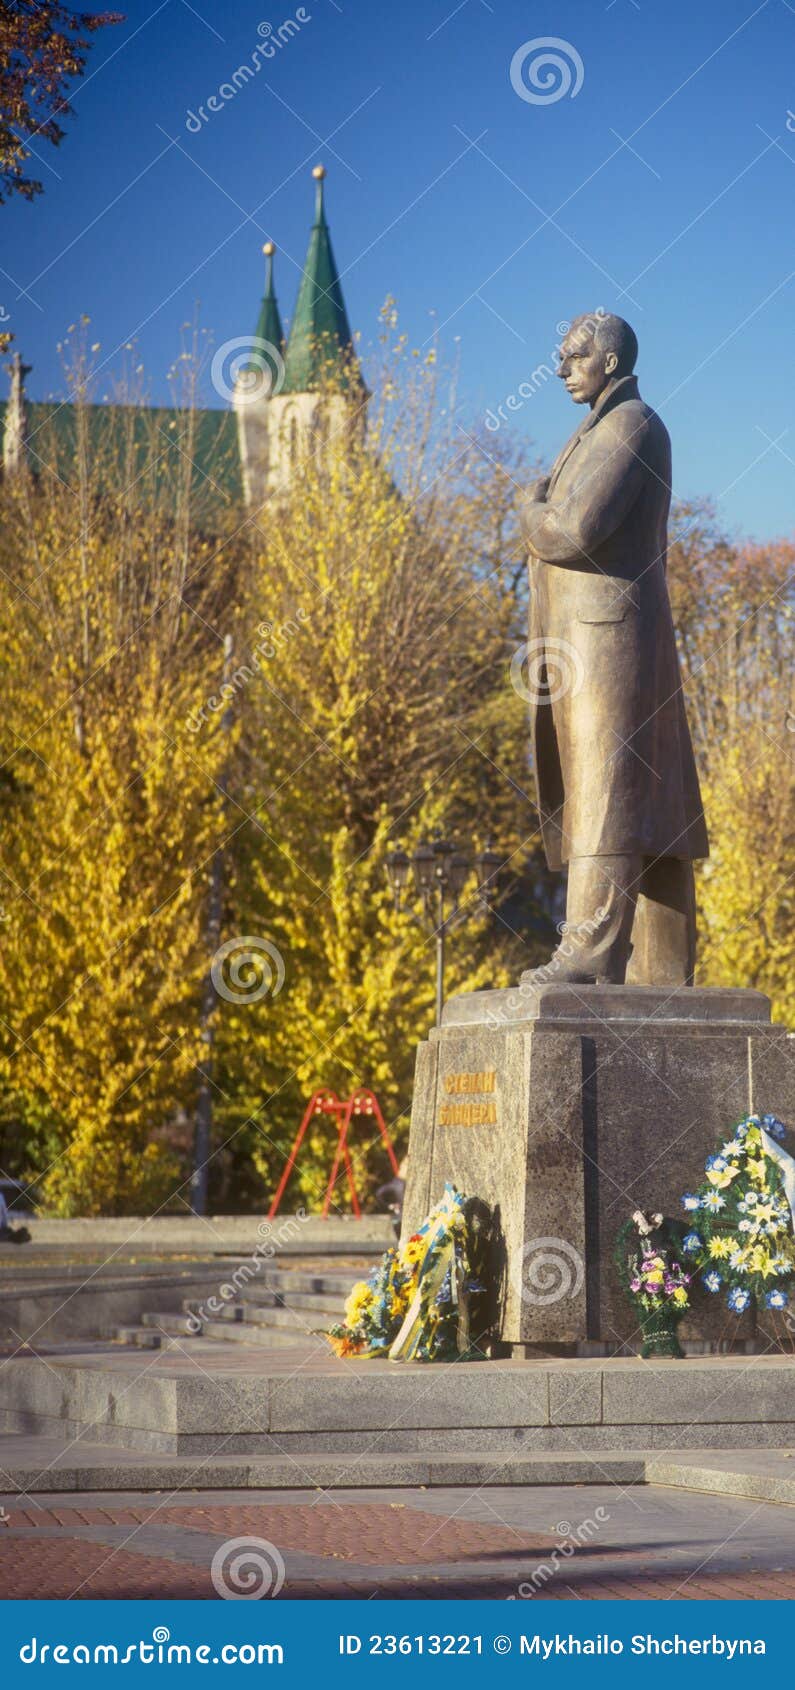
[{"x": 611, "y": 334}]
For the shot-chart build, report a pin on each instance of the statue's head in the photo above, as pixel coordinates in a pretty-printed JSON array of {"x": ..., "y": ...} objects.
[{"x": 598, "y": 349}]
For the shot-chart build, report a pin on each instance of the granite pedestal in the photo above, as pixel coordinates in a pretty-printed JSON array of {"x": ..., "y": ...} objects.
[{"x": 564, "y": 1108}]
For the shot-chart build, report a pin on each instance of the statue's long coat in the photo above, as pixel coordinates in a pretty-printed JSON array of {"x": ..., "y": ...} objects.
[{"x": 613, "y": 755}]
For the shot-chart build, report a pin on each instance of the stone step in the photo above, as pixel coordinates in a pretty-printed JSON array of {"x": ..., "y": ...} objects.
[
  {"x": 301, "y": 1316},
  {"x": 173, "y": 1323},
  {"x": 138, "y": 1337},
  {"x": 44, "y": 1466},
  {"x": 284, "y": 1396},
  {"x": 261, "y": 1337},
  {"x": 335, "y": 1283},
  {"x": 298, "y": 1304},
  {"x": 259, "y": 1321}
]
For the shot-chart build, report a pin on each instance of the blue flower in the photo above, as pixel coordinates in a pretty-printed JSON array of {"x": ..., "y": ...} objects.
[
  {"x": 713, "y": 1202},
  {"x": 691, "y": 1201},
  {"x": 712, "y": 1280},
  {"x": 715, "y": 1164},
  {"x": 691, "y": 1244},
  {"x": 776, "y": 1299},
  {"x": 738, "y": 1300},
  {"x": 774, "y": 1127}
]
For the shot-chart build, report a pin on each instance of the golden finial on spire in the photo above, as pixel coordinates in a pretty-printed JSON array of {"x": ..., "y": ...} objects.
[
  {"x": 319, "y": 172},
  {"x": 269, "y": 249}
]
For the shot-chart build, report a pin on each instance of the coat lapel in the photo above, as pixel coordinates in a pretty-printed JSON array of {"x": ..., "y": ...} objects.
[{"x": 626, "y": 388}]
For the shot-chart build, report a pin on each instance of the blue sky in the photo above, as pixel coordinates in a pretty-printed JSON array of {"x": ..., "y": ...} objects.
[{"x": 662, "y": 188}]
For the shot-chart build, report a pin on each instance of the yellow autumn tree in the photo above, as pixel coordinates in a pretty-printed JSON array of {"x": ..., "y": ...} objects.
[
  {"x": 372, "y": 649},
  {"x": 217, "y": 725},
  {"x": 108, "y": 823},
  {"x": 734, "y": 606}
]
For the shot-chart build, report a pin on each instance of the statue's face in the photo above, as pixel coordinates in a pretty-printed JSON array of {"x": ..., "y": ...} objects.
[{"x": 584, "y": 368}]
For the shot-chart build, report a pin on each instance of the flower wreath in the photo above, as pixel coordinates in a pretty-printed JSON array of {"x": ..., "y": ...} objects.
[
  {"x": 426, "y": 1300},
  {"x": 742, "y": 1236}
]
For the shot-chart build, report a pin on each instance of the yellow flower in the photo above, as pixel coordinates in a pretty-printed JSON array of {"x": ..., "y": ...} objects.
[
  {"x": 413, "y": 1252},
  {"x": 654, "y": 1278},
  {"x": 680, "y": 1297},
  {"x": 358, "y": 1302},
  {"x": 721, "y": 1177},
  {"x": 718, "y": 1248},
  {"x": 757, "y": 1168},
  {"x": 753, "y": 1138}
]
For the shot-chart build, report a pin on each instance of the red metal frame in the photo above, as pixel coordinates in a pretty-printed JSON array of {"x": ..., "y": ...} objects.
[{"x": 362, "y": 1102}]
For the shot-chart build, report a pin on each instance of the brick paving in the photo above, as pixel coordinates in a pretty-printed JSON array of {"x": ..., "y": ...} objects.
[
  {"x": 428, "y": 1545},
  {"x": 371, "y": 1534},
  {"x": 72, "y": 1569}
]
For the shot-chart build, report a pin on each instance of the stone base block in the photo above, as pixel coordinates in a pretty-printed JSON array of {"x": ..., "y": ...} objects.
[
  {"x": 564, "y": 1108},
  {"x": 263, "y": 1406}
]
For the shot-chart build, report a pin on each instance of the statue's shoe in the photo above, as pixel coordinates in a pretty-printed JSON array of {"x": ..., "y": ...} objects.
[
  {"x": 559, "y": 971},
  {"x": 563, "y": 969}
]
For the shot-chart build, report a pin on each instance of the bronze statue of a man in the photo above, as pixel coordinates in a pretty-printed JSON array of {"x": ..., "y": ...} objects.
[{"x": 618, "y": 791}]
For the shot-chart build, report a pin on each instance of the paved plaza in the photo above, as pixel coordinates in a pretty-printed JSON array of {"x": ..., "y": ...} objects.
[{"x": 500, "y": 1543}]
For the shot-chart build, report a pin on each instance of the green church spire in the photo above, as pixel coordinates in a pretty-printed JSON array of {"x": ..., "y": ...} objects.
[
  {"x": 269, "y": 323},
  {"x": 320, "y": 336}
]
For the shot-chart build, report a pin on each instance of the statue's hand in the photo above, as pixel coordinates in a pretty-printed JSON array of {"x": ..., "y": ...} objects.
[{"x": 535, "y": 495}]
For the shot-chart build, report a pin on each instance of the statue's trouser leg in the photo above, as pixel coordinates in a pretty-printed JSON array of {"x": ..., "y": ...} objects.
[
  {"x": 600, "y": 907},
  {"x": 664, "y": 930}
]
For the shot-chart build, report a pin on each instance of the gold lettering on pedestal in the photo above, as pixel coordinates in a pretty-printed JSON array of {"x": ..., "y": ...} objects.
[{"x": 482, "y": 1111}]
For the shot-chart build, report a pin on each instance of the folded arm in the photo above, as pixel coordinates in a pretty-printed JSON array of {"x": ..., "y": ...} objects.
[{"x": 568, "y": 529}]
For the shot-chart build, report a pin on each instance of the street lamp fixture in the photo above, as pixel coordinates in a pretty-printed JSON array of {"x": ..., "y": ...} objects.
[{"x": 441, "y": 872}]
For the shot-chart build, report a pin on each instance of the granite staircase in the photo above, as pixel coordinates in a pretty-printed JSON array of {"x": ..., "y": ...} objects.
[{"x": 285, "y": 1308}]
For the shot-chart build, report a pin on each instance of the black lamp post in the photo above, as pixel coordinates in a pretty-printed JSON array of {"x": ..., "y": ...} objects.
[{"x": 441, "y": 872}]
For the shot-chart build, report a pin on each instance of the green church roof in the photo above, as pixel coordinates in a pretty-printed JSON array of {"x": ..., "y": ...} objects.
[
  {"x": 140, "y": 446},
  {"x": 320, "y": 336}
]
